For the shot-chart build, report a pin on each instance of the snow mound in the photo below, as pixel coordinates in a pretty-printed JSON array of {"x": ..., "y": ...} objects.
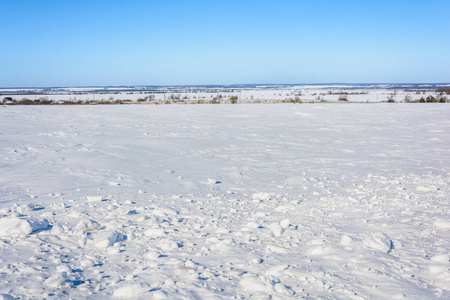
[
  {"x": 441, "y": 224},
  {"x": 88, "y": 225},
  {"x": 126, "y": 210},
  {"x": 378, "y": 241},
  {"x": 276, "y": 229},
  {"x": 152, "y": 255},
  {"x": 59, "y": 280},
  {"x": 320, "y": 250},
  {"x": 285, "y": 223},
  {"x": 57, "y": 229},
  {"x": 346, "y": 240},
  {"x": 132, "y": 290},
  {"x": 155, "y": 232},
  {"x": 18, "y": 226},
  {"x": 6, "y": 297},
  {"x": 426, "y": 189},
  {"x": 441, "y": 258},
  {"x": 164, "y": 211},
  {"x": 276, "y": 270},
  {"x": 253, "y": 284},
  {"x": 106, "y": 238},
  {"x": 276, "y": 249},
  {"x": 286, "y": 208},
  {"x": 261, "y": 196},
  {"x": 94, "y": 198},
  {"x": 282, "y": 289}
]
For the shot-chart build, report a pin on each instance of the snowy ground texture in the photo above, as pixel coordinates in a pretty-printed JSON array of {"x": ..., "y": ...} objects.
[{"x": 225, "y": 201}]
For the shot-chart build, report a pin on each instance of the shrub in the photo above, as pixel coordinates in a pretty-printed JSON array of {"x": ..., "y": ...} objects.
[
  {"x": 442, "y": 99},
  {"x": 6, "y": 99},
  {"x": 25, "y": 101},
  {"x": 174, "y": 97},
  {"x": 431, "y": 99},
  {"x": 391, "y": 98}
]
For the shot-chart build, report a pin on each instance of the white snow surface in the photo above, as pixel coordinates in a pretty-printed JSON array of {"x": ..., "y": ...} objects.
[{"x": 243, "y": 201}]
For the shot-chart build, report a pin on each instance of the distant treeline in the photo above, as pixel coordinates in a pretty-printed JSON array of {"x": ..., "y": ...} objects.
[
  {"x": 440, "y": 98},
  {"x": 443, "y": 91}
]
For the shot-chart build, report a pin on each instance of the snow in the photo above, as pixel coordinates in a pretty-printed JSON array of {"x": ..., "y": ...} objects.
[
  {"x": 18, "y": 226},
  {"x": 441, "y": 224},
  {"x": 105, "y": 238},
  {"x": 378, "y": 241},
  {"x": 132, "y": 290},
  {"x": 264, "y": 201}
]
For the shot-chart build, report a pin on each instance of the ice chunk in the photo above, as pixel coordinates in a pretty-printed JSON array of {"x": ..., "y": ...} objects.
[
  {"x": 213, "y": 181},
  {"x": 253, "y": 284},
  {"x": 23, "y": 209},
  {"x": 105, "y": 238},
  {"x": 94, "y": 198},
  {"x": 164, "y": 210},
  {"x": 152, "y": 255},
  {"x": 57, "y": 229},
  {"x": 378, "y": 241},
  {"x": 159, "y": 294},
  {"x": 59, "y": 280},
  {"x": 252, "y": 225},
  {"x": 276, "y": 249},
  {"x": 276, "y": 270},
  {"x": 277, "y": 229},
  {"x": 442, "y": 258},
  {"x": 167, "y": 244},
  {"x": 126, "y": 210},
  {"x": 320, "y": 250},
  {"x": 221, "y": 246},
  {"x": 437, "y": 269},
  {"x": 285, "y": 223},
  {"x": 64, "y": 268},
  {"x": 346, "y": 240},
  {"x": 86, "y": 263},
  {"x": 132, "y": 290},
  {"x": 441, "y": 224},
  {"x": 261, "y": 196},
  {"x": 286, "y": 208},
  {"x": 426, "y": 189},
  {"x": 18, "y": 226},
  {"x": 282, "y": 289},
  {"x": 88, "y": 225},
  {"x": 155, "y": 232},
  {"x": 222, "y": 230}
]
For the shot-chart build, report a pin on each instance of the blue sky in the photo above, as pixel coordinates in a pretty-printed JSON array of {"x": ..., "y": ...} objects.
[{"x": 169, "y": 42}]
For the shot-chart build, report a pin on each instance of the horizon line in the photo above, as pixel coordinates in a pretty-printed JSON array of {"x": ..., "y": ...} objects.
[{"x": 227, "y": 85}]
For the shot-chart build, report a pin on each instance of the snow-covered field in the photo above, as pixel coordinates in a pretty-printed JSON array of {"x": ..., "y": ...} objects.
[
  {"x": 225, "y": 201},
  {"x": 257, "y": 94}
]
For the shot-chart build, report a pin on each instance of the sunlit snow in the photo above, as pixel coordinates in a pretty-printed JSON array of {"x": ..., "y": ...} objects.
[{"x": 219, "y": 201}]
